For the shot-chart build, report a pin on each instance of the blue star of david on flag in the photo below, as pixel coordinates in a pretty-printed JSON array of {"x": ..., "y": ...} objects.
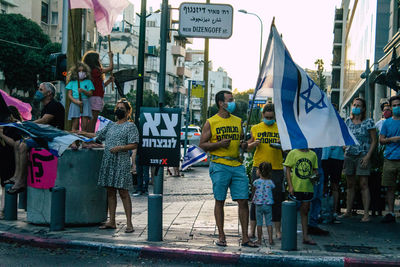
[{"x": 306, "y": 95}]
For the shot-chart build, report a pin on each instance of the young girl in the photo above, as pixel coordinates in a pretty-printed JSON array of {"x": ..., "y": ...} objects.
[
  {"x": 79, "y": 87},
  {"x": 263, "y": 200},
  {"x": 92, "y": 59}
]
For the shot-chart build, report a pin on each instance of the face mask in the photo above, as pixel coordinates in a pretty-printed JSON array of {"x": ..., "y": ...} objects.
[
  {"x": 396, "y": 111},
  {"x": 120, "y": 114},
  {"x": 387, "y": 114},
  {"x": 356, "y": 111},
  {"x": 38, "y": 96},
  {"x": 231, "y": 107},
  {"x": 82, "y": 75},
  {"x": 268, "y": 122}
]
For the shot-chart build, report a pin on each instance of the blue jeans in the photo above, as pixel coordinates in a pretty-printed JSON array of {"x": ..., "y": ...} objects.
[
  {"x": 315, "y": 209},
  {"x": 142, "y": 177}
]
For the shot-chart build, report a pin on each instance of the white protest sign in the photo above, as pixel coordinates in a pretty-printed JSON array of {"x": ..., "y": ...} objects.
[{"x": 205, "y": 20}]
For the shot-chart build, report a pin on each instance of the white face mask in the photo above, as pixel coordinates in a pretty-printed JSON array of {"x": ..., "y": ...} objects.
[{"x": 82, "y": 75}]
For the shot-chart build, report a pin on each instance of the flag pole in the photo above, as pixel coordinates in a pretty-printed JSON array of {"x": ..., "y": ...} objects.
[
  {"x": 256, "y": 89},
  {"x": 109, "y": 50},
  {"x": 80, "y": 97}
]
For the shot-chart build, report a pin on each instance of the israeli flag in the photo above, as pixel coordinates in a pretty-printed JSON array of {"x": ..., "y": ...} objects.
[
  {"x": 194, "y": 154},
  {"x": 305, "y": 116}
]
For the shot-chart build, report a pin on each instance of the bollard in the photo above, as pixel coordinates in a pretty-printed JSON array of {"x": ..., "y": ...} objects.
[
  {"x": 154, "y": 218},
  {"x": 57, "y": 215},
  {"x": 289, "y": 225},
  {"x": 158, "y": 181},
  {"x": 10, "y": 205},
  {"x": 22, "y": 200}
]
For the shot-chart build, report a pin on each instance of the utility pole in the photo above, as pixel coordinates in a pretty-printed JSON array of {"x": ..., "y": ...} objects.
[
  {"x": 74, "y": 49},
  {"x": 205, "y": 78},
  {"x": 142, "y": 43}
]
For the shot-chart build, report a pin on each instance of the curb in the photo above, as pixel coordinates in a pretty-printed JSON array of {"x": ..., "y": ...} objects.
[{"x": 177, "y": 254}]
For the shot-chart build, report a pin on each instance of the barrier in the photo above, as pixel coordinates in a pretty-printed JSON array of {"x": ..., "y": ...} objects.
[{"x": 85, "y": 201}]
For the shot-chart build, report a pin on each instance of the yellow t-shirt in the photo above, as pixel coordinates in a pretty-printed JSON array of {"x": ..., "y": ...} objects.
[
  {"x": 302, "y": 165},
  {"x": 229, "y": 128},
  {"x": 264, "y": 152}
]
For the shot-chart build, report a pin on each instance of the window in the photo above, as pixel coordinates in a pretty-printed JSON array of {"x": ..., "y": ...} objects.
[
  {"x": 54, "y": 18},
  {"x": 45, "y": 13},
  {"x": 88, "y": 36}
]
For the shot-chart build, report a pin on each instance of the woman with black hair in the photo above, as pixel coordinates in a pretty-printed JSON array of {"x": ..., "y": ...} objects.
[{"x": 120, "y": 137}]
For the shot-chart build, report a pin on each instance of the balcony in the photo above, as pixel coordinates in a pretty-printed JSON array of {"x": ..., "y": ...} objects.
[
  {"x": 182, "y": 71},
  {"x": 188, "y": 57},
  {"x": 177, "y": 50}
]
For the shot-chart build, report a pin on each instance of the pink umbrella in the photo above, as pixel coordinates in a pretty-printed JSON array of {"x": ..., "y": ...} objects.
[{"x": 23, "y": 108}]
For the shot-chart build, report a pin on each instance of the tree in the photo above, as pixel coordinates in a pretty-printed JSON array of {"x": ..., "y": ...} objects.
[
  {"x": 320, "y": 79},
  {"x": 22, "y": 63}
]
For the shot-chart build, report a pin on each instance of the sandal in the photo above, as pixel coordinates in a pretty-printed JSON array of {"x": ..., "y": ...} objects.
[
  {"x": 107, "y": 226},
  {"x": 249, "y": 244},
  {"x": 129, "y": 230},
  {"x": 14, "y": 191},
  {"x": 221, "y": 243},
  {"x": 309, "y": 242},
  {"x": 365, "y": 219}
]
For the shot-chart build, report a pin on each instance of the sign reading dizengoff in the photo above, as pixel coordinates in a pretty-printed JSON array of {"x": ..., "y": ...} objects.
[{"x": 205, "y": 20}]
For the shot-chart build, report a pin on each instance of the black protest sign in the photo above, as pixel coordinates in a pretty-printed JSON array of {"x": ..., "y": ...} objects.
[{"x": 160, "y": 130}]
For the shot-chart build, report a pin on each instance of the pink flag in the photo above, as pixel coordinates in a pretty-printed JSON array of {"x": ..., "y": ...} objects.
[
  {"x": 105, "y": 12},
  {"x": 23, "y": 108}
]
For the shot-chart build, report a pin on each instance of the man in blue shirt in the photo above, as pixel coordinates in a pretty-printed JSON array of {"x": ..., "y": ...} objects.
[{"x": 390, "y": 136}]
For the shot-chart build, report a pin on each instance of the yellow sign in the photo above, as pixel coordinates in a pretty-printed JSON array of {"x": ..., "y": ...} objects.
[{"x": 197, "y": 89}]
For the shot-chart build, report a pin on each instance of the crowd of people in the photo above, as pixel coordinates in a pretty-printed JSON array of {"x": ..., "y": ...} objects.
[
  {"x": 310, "y": 174},
  {"x": 306, "y": 175}
]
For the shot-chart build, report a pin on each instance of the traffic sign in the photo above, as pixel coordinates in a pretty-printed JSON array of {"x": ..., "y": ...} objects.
[{"x": 205, "y": 20}]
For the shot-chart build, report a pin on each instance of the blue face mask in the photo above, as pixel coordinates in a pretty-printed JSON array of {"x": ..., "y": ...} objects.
[
  {"x": 38, "y": 96},
  {"x": 231, "y": 107},
  {"x": 356, "y": 111},
  {"x": 268, "y": 122},
  {"x": 396, "y": 111}
]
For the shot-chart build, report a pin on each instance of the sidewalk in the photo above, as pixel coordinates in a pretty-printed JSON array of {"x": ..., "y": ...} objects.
[{"x": 189, "y": 232}]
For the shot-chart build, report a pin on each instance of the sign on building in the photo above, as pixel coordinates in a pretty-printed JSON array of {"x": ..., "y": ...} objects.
[
  {"x": 205, "y": 20},
  {"x": 198, "y": 89},
  {"x": 161, "y": 134}
]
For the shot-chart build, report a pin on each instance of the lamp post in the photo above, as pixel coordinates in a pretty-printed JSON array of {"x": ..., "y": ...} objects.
[{"x": 261, "y": 23}]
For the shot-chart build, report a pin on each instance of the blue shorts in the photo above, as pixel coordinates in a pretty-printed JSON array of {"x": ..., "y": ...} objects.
[
  {"x": 264, "y": 211},
  {"x": 224, "y": 176}
]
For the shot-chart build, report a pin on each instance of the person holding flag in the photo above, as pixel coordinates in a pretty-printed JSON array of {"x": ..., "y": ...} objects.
[
  {"x": 263, "y": 137},
  {"x": 222, "y": 136}
]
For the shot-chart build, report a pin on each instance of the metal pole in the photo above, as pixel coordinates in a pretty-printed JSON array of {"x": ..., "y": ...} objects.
[
  {"x": 367, "y": 92},
  {"x": 142, "y": 43},
  {"x": 163, "y": 50},
  {"x": 289, "y": 225},
  {"x": 10, "y": 205},
  {"x": 57, "y": 213},
  {"x": 187, "y": 118},
  {"x": 154, "y": 220},
  {"x": 155, "y": 200}
]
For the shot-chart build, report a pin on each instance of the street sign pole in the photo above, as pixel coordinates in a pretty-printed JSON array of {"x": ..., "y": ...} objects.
[{"x": 187, "y": 118}]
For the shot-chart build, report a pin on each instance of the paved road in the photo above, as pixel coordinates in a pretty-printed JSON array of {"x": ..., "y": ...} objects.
[{"x": 17, "y": 255}]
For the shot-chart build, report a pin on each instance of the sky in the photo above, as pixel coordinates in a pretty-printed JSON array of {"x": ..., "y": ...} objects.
[{"x": 306, "y": 27}]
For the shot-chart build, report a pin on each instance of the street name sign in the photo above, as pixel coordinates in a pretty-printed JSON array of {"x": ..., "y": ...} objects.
[{"x": 205, "y": 20}]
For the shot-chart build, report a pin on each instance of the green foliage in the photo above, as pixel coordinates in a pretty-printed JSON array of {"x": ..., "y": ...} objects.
[{"x": 21, "y": 64}]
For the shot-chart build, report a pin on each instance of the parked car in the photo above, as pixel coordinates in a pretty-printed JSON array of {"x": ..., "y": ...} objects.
[{"x": 193, "y": 136}]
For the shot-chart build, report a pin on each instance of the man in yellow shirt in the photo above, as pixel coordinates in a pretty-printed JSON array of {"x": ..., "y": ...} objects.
[
  {"x": 222, "y": 136},
  {"x": 262, "y": 136}
]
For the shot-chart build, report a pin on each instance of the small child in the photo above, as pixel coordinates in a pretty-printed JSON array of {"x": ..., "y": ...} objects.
[
  {"x": 263, "y": 200},
  {"x": 79, "y": 90},
  {"x": 301, "y": 165}
]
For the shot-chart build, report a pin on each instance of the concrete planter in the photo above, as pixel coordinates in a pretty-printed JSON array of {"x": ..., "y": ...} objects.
[{"x": 86, "y": 202}]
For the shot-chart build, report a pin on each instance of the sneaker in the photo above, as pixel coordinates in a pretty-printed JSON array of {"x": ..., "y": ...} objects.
[
  {"x": 389, "y": 218},
  {"x": 314, "y": 230}
]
